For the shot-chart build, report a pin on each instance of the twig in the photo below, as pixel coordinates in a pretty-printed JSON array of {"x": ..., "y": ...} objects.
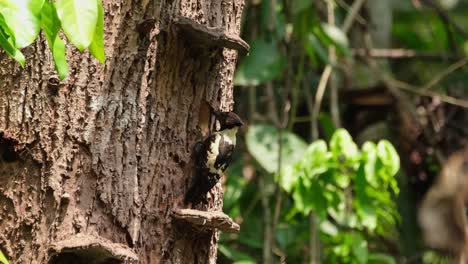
[
  {"x": 402, "y": 54},
  {"x": 348, "y": 8},
  {"x": 334, "y": 104},
  {"x": 419, "y": 91},
  {"x": 295, "y": 90},
  {"x": 271, "y": 104},
  {"x": 452, "y": 68},
  {"x": 352, "y": 15},
  {"x": 318, "y": 99},
  {"x": 267, "y": 231}
]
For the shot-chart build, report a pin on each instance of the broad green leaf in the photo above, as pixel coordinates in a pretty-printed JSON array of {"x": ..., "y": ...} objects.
[
  {"x": 288, "y": 179},
  {"x": 378, "y": 258},
  {"x": 364, "y": 203},
  {"x": 6, "y": 42},
  {"x": 23, "y": 18},
  {"x": 264, "y": 63},
  {"x": 369, "y": 156},
  {"x": 341, "y": 180},
  {"x": 316, "y": 159},
  {"x": 51, "y": 26},
  {"x": 332, "y": 36},
  {"x": 313, "y": 47},
  {"x": 328, "y": 228},
  {"x": 79, "y": 20},
  {"x": 3, "y": 259},
  {"x": 263, "y": 144},
  {"x": 311, "y": 199},
  {"x": 388, "y": 156},
  {"x": 359, "y": 248},
  {"x": 97, "y": 45},
  {"x": 343, "y": 146}
]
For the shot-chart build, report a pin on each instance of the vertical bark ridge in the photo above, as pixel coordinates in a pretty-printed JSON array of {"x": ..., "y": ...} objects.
[{"x": 107, "y": 151}]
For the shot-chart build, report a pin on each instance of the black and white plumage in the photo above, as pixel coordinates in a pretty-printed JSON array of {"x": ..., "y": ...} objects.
[{"x": 213, "y": 155}]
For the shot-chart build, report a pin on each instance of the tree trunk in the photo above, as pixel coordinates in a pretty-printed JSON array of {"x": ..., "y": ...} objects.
[{"x": 92, "y": 167}]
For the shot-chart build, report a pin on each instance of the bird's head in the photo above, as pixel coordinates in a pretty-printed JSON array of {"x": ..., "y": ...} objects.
[{"x": 227, "y": 120}]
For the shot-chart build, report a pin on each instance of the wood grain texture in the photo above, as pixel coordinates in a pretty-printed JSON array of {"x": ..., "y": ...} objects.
[{"x": 106, "y": 152}]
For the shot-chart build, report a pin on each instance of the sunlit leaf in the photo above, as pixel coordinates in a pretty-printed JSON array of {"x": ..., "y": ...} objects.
[
  {"x": 3, "y": 259},
  {"x": 336, "y": 35},
  {"x": 388, "y": 156},
  {"x": 369, "y": 156},
  {"x": 7, "y": 44},
  {"x": 342, "y": 145},
  {"x": 313, "y": 47},
  {"x": 359, "y": 248},
  {"x": 316, "y": 158},
  {"x": 332, "y": 36},
  {"x": 79, "y": 20},
  {"x": 51, "y": 26},
  {"x": 97, "y": 45},
  {"x": 376, "y": 258},
  {"x": 263, "y": 144},
  {"x": 23, "y": 18}
]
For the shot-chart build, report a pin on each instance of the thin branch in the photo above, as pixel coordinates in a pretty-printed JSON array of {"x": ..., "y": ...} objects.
[
  {"x": 348, "y": 8},
  {"x": 334, "y": 104},
  {"x": 352, "y": 15},
  {"x": 402, "y": 54},
  {"x": 419, "y": 91},
  {"x": 452, "y": 68},
  {"x": 318, "y": 99}
]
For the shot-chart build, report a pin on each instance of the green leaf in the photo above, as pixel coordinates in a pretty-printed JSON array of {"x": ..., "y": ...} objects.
[
  {"x": 51, "y": 26},
  {"x": 343, "y": 146},
  {"x": 311, "y": 199},
  {"x": 369, "y": 156},
  {"x": 97, "y": 45},
  {"x": 331, "y": 35},
  {"x": 23, "y": 18},
  {"x": 378, "y": 258},
  {"x": 79, "y": 20},
  {"x": 264, "y": 63},
  {"x": 316, "y": 159},
  {"x": 288, "y": 179},
  {"x": 3, "y": 259},
  {"x": 336, "y": 35},
  {"x": 263, "y": 144},
  {"x": 388, "y": 156},
  {"x": 359, "y": 248},
  {"x": 314, "y": 47},
  {"x": 6, "y": 42}
]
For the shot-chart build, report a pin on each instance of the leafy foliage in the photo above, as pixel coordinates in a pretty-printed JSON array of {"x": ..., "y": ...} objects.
[
  {"x": 349, "y": 189},
  {"x": 81, "y": 21}
]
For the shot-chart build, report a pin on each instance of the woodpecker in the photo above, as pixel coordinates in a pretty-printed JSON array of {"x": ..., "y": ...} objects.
[{"x": 213, "y": 155}]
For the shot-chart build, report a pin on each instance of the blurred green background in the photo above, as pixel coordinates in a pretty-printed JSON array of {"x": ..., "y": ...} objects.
[{"x": 350, "y": 106}]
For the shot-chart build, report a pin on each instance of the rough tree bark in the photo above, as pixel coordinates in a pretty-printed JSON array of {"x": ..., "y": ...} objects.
[{"x": 93, "y": 167}]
